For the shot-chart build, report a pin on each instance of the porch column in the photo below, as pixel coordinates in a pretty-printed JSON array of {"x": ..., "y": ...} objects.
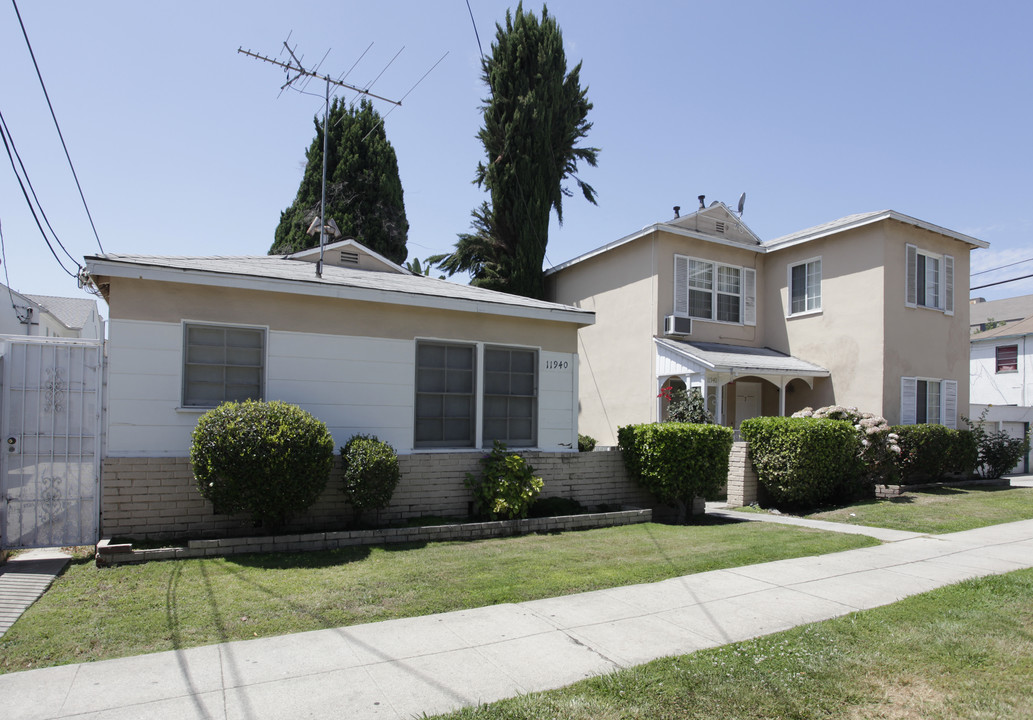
[{"x": 782, "y": 396}]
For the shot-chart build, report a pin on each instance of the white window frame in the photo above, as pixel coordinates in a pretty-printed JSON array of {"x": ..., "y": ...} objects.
[
  {"x": 747, "y": 290},
  {"x": 943, "y": 299},
  {"x": 479, "y": 394},
  {"x": 185, "y": 360},
  {"x": 809, "y": 309},
  {"x": 946, "y": 407}
]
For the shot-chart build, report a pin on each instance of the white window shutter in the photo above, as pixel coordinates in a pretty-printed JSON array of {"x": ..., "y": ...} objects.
[
  {"x": 681, "y": 286},
  {"x": 908, "y": 400},
  {"x": 949, "y": 400},
  {"x": 948, "y": 284},
  {"x": 749, "y": 296},
  {"x": 911, "y": 283}
]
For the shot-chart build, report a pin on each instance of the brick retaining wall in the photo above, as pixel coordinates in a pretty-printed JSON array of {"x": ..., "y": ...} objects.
[
  {"x": 109, "y": 553},
  {"x": 155, "y": 498}
]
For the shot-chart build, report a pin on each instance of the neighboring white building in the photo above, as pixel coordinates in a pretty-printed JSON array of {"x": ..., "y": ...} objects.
[
  {"x": 49, "y": 316},
  {"x": 1001, "y": 367}
]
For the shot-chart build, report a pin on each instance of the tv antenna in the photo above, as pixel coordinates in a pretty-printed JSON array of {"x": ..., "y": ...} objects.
[{"x": 295, "y": 71}]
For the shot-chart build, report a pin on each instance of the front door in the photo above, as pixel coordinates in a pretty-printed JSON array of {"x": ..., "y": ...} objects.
[
  {"x": 50, "y": 459},
  {"x": 747, "y": 401}
]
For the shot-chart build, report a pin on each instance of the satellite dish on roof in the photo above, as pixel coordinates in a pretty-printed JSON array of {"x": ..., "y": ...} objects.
[{"x": 742, "y": 203}]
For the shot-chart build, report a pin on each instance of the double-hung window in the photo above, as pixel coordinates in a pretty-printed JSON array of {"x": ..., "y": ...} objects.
[
  {"x": 455, "y": 382},
  {"x": 805, "y": 287},
  {"x": 1007, "y": 358},
  {"x": 930, "y": 280},
  {"x": 222, "y": 363},
  {"x": 712, "y": 291},
  {"x": 928, "y": 401}
]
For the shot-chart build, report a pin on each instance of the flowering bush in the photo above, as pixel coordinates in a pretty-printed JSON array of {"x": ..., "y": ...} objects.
[
  {"x": 507, "y": 486},
  {"x": 686, "y": 407},
  {"x": 880, "y": 446}
]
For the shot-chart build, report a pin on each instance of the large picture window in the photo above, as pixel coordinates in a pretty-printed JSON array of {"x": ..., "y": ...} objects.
[
  {"x": 453, "y": 385},
  {"x": 805, "y": 287},
  {"x": 510, "y": 396},
  {"x": 445, "y": 387},
  {"x": 712, "y": 291},
  {"x": 222, "y": 363}
]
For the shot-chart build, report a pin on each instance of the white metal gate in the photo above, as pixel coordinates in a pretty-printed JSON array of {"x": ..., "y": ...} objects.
[{"x": 51, "y": 418}]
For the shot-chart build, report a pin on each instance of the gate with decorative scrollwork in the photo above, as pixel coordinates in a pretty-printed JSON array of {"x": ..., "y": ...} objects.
[{"x": 50, "y": 459}]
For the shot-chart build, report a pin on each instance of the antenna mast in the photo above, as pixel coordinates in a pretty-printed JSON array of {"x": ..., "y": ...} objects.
[{"x": 299, "y": 71}]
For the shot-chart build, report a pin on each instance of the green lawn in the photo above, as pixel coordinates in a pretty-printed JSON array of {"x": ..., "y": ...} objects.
[
  {"x": 962, "y": 651},
  {"x": 95, "y": 613},
  {"x": 939, "y": 510}
]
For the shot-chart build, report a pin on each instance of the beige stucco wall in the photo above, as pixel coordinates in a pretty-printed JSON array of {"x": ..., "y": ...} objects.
[
  {"x": 924, "y": 342},
  {"x": 615, "y": 355},
  {"x": 132, "y": 299},
  {"x": 846, "y": 335}
]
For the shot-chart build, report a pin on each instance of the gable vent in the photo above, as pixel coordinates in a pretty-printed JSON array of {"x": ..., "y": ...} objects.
[
  {"x": 720, "y": 226},
  {"x": 349, "y": 258}
]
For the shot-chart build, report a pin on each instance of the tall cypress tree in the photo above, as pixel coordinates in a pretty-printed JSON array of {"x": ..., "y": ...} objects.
[
  {"x": 533, "y": 120},
  {"x": 363, "y": 190}
]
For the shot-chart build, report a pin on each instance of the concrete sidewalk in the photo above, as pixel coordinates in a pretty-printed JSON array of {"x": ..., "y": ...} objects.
[{"x": 403, "y": 668}]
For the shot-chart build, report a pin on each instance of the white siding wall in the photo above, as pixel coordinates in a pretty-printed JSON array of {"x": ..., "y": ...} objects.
[
  {"x": 988, "y": 387},
  {"x": 353, "y": 384}
]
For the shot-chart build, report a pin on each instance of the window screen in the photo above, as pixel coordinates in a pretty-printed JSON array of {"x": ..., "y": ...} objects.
[
  {"x": 222, "y": 364},
  {"x": 445, "y": 385}
]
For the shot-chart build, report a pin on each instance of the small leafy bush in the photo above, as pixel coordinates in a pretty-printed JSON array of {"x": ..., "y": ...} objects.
[
  {"x": 996, "y": 451},
  {"x": 686, "y": 407},
  {"x": 932, "y": 452},
  {"x": 370, "y": 473},
  {"x": 507, "y": 485},
  {"x": 585, "y": 443},
  {"x": 677, "y": 461},
  {"x": 268, "y": 460},
  {"x": 804, "y": 462},
  {"x": 879, "y": 447}
]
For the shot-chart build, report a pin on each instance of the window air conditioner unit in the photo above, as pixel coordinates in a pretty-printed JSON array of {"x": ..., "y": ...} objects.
[{"x": 674, "y": 325}]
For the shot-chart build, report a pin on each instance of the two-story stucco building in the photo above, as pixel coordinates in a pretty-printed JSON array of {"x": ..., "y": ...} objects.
[{"x": 869, "y": 311}]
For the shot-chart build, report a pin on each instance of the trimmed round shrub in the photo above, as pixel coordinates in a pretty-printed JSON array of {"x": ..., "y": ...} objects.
[
  {"x": 267, "y": 460},
  {"x": 585, "y": 443},
  {"x": 507, "y": 486},
  {"x": 932, "y": 452},
  {"x": 804, "y": 462},
  {"x": 677, "y": 461},
  {"x": 370, "y": 473}
]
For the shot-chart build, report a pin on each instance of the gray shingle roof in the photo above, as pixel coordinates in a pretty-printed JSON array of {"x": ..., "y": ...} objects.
[
  {"x": 759, "y": 360},
  {"x": 73, "y": 313},
  {"x": 1003, "y": 310},
  {"x": 272, "y": 267}
]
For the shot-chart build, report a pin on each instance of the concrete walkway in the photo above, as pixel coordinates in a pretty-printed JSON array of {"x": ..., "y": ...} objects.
[
  {"x": 24, "y": 578},
  {"x": 431, "y": 664}
]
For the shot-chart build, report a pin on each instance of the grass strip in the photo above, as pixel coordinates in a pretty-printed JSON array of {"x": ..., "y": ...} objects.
[
  {"x": 93, "y": 613},
  {"x": 939, "y": 510},
  {"x": 962, "y": 651}
]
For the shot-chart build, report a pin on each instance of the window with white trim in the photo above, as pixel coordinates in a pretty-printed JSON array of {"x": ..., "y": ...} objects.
[
  {"x": 928, "y": 401},
  {"x": 453, "y": 383},
  {"x": 712, "y": 291},
  {"x": 222, "y": 363},
  {"x": 1007, "y": 358},
  {"x": 930, "y": 280},
  {"x": 805, "y": 287}
]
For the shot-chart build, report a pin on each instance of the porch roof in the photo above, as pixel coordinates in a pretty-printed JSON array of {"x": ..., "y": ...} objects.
[{"x": 738, "y": 360}]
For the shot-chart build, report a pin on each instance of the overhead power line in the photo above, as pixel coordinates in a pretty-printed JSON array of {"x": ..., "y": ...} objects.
[
  {"x": 1001, "y": 267},
  {"x": 1001, "y": 282},
  {"x": 56, "y": 125}
]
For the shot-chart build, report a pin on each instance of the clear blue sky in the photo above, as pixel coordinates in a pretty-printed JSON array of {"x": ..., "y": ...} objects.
[{"x": 816, "y": 110}]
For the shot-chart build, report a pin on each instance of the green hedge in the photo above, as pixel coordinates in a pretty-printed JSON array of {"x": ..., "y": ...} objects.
[
  {"x": 370, "y": 473},
  {"x": 804, "y": 462},
  {"x": 268, "y": 460},
  {"x": 677, "y": 461},
  {"x": 932, "y": 452}
]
